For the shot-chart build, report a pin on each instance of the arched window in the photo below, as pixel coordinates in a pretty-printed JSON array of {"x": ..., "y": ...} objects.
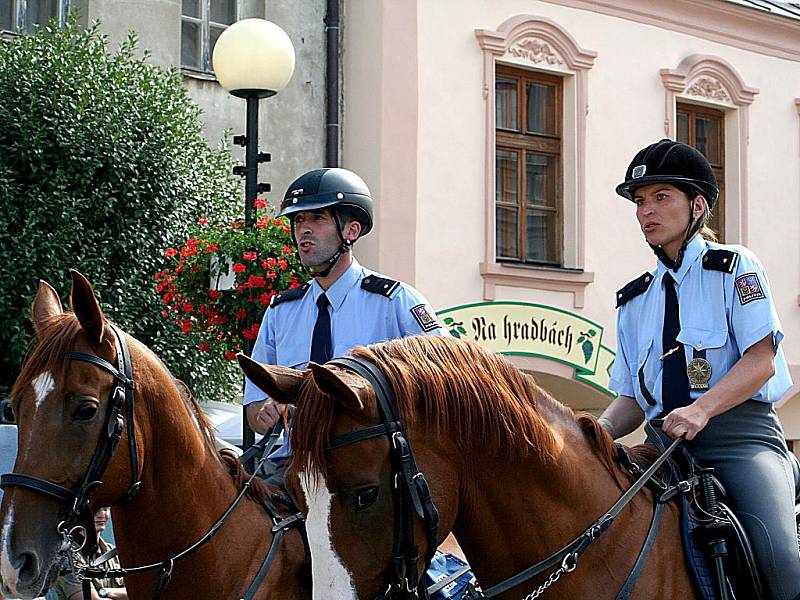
[
  {"x": 536, "y": 94},
  {"x": 705, "y": 95}
]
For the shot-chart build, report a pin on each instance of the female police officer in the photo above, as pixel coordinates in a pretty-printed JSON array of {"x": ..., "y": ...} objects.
[{"x": 699, "y": 344}]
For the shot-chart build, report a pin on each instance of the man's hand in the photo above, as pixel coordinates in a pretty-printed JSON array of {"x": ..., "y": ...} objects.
[
  {"x": 689, "y": 420},
  {"x": 263, "y": 415}
]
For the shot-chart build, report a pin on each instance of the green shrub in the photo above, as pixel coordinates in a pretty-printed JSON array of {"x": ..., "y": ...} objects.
[{"x": 102, "y": 165}]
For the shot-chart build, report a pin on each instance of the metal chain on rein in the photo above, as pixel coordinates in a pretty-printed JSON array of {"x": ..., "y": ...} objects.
[{"x": 567, "y": 566}]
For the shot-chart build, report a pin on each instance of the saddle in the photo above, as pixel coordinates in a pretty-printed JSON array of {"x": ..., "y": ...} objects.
[{"x": 718, "y": 552}]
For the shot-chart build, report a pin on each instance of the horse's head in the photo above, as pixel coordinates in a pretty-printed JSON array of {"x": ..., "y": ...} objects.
[
  {"x": 347, "y": 492},
  {"x": 60, "y": 405}
]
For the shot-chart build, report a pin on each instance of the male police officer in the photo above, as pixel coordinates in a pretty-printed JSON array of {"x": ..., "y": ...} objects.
[{"x": 345, "y": 305}]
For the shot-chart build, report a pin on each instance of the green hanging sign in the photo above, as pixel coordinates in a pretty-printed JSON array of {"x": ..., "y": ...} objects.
[{"x": 522, "y": 328}]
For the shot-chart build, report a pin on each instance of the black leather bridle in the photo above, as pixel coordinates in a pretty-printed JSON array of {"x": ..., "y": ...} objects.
[
  {"x": 411, "y": 493},
  {"x": 80, "y": 520}
]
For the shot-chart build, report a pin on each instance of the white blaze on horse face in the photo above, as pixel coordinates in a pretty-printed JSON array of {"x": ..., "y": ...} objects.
[
  {"x": 8, "y": 574},
  {"x": 330, "y": 578},
  {"x": 43, "y": 385}
]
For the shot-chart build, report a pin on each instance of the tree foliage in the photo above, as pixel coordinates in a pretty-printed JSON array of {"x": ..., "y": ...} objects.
[{"x": 102, "y": 165}]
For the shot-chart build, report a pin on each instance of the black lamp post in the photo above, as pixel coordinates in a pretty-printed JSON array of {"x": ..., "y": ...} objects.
[{"x": 253, "y": 59}]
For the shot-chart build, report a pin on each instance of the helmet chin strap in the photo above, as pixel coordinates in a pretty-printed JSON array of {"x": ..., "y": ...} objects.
[{"x": 691, "y": 230}]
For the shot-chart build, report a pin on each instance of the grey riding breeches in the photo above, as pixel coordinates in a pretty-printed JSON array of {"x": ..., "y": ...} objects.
[{"x": 747, "y": 449}]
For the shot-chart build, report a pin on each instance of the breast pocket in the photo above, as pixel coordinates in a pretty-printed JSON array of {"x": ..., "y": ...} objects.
[{"x": 708, "y": 344}]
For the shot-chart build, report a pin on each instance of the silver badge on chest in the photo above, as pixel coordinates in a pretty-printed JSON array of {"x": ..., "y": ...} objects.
[{"x": 699, "y": 373}]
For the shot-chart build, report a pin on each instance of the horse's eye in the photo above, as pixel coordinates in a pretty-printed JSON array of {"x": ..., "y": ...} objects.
[
  {"x": 85, "y": 411},
  {"x": 366, "y": 497}
]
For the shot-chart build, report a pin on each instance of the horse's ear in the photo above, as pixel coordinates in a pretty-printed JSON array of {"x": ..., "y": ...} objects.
[
  {"x": 344, "y": 387},
  {"x": 45, "y": 305},
  {"x": 281, "y": 383},
  {"x": 86, "y": 308}
]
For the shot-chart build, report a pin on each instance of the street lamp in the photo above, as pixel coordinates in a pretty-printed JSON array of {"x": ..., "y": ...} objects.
[{"x": 253, "y": 59}]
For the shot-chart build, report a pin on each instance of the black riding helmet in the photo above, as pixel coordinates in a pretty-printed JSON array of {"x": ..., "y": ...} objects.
[
  {"x": 330, "y": 188},
  {"x": 667, "y": 161},
  {"x": 338, "y": 189},
  {"x": 680, "y": 165}
]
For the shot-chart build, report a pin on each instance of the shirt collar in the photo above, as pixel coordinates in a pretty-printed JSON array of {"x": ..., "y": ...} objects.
[
  {"x": 341, "y": 287},
  {"x": 694, "y": 250}
]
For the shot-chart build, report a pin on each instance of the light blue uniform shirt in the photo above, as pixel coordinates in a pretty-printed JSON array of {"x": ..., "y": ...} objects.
[
  {"x": 358, "y": 318},
  {"x": 721, "y": 313}
]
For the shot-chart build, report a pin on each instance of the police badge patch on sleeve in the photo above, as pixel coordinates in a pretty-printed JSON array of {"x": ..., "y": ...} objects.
[
  {"x": 426, "y": 320},
  {"x": 749, "y": 288}
]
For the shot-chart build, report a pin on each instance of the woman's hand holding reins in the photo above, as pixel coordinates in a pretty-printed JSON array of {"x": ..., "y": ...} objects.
[{"x": 687, "y": 420}]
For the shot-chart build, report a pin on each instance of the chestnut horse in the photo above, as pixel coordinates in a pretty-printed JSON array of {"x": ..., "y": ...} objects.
[
  {"x": 60, "y": 401},
  {"x": 513, "y": 473}
]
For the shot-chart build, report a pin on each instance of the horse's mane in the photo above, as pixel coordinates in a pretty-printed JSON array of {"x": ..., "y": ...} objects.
[
  {"x": 204, "y": 424},
  {"x": 454, "y": 388},
  {"x": 260, "y": 491},
  {"x": 642, "y": 454}
]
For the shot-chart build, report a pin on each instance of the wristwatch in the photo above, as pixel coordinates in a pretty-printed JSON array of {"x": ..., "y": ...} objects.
[{"x": 102, "y": 592}]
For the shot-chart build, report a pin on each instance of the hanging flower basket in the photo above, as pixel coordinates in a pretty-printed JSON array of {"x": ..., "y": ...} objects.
[{"x": 218, "y": 283}]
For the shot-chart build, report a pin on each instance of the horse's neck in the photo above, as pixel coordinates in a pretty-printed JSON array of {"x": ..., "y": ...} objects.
[
  {"x": 185, "y": 488},
  {"x": 517, "y": 512}
]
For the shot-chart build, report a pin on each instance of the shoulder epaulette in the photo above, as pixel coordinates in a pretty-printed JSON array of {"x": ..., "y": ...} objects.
[
  {"x": 289, "y": 295},
  {"x": 379, "y": 285},
  {"x": 720, "y": 260},
  {"x": 634, "y": 288}
]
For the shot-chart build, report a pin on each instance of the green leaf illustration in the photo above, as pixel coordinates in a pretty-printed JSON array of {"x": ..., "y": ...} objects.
[{"x": 588, "y": 349}]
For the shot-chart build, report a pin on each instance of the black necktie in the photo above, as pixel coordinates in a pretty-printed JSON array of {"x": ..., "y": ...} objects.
[
  {"x": 321, "y": 346},
  {"x": 674, "y": 381}
]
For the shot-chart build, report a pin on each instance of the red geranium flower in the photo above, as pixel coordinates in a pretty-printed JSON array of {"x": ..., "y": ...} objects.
[
  {"x": 251, "y": 332},
  {"x": 257, "y": 256}
]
